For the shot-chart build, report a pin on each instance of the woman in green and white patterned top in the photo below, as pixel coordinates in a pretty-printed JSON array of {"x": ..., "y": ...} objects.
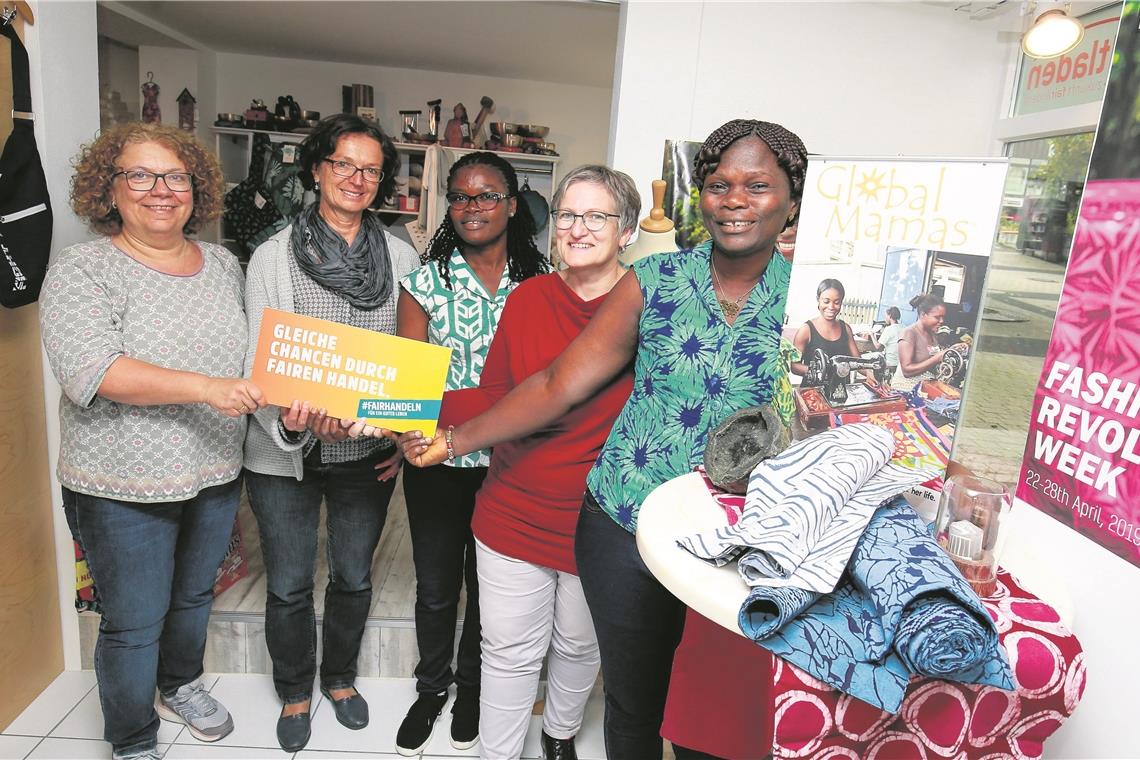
[{"x": 483, "y": 249}]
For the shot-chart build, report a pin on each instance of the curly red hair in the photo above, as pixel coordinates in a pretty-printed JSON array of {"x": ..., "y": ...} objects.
[{"x": 91, "y": 184}]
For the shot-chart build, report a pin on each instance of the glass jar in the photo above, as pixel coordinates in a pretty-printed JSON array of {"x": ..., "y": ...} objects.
[{"x": 969, "y": 520}]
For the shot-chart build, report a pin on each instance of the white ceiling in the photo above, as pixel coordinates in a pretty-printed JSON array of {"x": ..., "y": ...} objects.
[{"x": 569, "y": 41}]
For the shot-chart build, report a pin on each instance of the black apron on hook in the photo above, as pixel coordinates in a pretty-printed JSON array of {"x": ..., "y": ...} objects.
[{"x": 25, "y": 209}]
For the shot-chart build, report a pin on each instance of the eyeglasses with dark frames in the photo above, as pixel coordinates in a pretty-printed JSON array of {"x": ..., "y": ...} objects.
[
  {"x": 144, "y": 181},
  {"x": 346, "y": 170},
  {"x": 595, "y": 221},
  {"x": 484, "y": 201}
]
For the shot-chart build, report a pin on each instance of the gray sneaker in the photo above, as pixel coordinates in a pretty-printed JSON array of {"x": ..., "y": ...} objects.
[
  {"x": 206, "y": 717},
  {"x": 137, "y": 754}
]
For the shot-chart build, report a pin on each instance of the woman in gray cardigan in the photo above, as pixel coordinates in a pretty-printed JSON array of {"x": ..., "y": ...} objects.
[{"x": 335, "y": 262}]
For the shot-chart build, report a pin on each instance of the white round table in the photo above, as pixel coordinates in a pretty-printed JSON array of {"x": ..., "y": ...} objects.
[{"x": 677, "y": 508}]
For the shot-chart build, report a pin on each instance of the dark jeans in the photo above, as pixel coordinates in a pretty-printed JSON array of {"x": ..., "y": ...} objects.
[
  {"x": 639, "y": 625},
  {"x": 441, "y": 501},
  {"x": 288, "y": 516},
  {"x": 154, "y": 565}
]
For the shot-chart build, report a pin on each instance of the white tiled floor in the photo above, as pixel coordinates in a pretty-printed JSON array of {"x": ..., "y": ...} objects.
[{"x": 65, "y": 723}]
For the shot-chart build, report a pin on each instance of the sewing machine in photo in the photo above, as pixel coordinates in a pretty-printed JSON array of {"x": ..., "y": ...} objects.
[{"x": 838, "y": 384}]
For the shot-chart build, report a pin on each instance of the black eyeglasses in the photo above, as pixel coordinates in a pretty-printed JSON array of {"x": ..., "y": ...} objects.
[
  {"x": 594, "y": 220},
  {"x": 144, "y": 181},
  {"x": 484, "y": 201},
  {"x": 346, "y": 170}
]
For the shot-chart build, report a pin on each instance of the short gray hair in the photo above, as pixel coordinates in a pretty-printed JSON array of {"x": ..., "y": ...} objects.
[{"x": 619, "y": 185}]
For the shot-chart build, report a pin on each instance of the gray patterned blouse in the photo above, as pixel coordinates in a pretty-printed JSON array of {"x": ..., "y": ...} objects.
[{"x": 98, "y": 304}]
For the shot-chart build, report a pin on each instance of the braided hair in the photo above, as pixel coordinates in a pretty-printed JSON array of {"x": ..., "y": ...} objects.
[
  {"x": 790, "y": 152},
  {"x": 524, "y": 260}
]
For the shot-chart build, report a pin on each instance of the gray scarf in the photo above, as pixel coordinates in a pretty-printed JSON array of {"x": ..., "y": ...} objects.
[{"x": 361, "y": 273}]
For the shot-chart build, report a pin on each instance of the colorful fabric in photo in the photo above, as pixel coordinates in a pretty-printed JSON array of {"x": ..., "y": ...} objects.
[{"x": 918, "y": 443}]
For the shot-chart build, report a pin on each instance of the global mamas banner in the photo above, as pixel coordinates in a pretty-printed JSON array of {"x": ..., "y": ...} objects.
[
  {"x": 353, "y": 373},
  {"x": 1082, "y": 456}
]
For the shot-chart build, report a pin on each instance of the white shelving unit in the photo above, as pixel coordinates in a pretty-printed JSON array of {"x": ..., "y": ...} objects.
[{"x": 234, "y": 148}]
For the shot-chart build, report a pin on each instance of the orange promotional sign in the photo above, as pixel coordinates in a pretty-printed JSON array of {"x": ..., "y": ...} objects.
[{"x": 392, "y": 382}]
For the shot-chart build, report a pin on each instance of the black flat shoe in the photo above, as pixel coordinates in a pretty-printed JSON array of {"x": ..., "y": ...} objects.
[
  {"x": 351, "y": 712},
  {"x": 293, "y": 731},
  {"x": 558, "y": 749}
]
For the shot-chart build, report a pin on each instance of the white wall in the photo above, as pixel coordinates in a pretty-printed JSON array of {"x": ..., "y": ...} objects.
[
  {"x": 119, "y": 71},
  {"x": 173, "y": 70},
  {"x": 63, "y": 59},
  {"x": 848, "y": 78},
  {"x": 1100, "y": 589},
  {"x": 578, "y": 117},
  {"x": 207, "y": 94}
]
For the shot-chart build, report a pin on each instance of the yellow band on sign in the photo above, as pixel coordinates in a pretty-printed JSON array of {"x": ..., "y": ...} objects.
[{"x": 392, "y": 382}]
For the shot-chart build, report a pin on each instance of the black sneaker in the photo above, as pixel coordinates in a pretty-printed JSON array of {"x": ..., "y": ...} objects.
[
  {"x": 415, "y": 731},
  {"x": 465, "y": 719}
]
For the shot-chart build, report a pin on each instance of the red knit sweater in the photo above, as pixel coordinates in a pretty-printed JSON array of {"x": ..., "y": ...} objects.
[{"x": 528, "y": 505}]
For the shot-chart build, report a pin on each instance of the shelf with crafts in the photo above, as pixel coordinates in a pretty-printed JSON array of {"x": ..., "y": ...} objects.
[
  {"x": 535, "y": 172},
  {"x": 234, "y": 148}
]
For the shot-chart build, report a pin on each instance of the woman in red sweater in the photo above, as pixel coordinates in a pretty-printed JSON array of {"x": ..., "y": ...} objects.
[{"x": 530, "y": 598}]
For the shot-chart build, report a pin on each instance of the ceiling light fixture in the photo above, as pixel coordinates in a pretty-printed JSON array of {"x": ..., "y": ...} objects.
[{"x": 1054, "y": 32}]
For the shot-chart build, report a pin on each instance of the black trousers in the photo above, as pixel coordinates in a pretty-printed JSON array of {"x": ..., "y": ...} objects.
[
  {"x": 441, "y": 500},
  {"x": 639, "y": 625}
]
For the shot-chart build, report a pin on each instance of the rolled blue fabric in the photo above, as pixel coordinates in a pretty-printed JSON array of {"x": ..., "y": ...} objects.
[
  {"x": 767, "y": 610},
  {"x": 938, "y": 638},
  {"x": 902, "y": 608}
]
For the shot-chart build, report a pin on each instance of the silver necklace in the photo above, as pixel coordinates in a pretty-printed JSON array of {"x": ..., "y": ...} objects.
[{"x": 730, "y": 308}]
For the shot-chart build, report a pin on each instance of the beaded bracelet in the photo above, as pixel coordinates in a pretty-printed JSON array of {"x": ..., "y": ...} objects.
[{"x": 450, "y": 448}]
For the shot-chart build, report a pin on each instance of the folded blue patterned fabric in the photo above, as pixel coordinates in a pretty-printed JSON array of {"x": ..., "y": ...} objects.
[{"x": 901, "y": 608}]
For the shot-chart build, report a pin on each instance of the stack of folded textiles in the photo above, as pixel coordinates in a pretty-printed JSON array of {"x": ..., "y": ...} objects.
[{"x": 901, "y": 607}]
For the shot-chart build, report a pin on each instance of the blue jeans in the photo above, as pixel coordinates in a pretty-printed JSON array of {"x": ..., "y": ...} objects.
[
  {"x": 288, "y": 516},
  {"x": 154, "y": 566},
  {"x": 441, "y": 501},
  {"x": 639, "y": 625}
]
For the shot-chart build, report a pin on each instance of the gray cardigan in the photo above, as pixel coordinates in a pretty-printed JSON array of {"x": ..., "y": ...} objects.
[{"x": 267, "y": 283}]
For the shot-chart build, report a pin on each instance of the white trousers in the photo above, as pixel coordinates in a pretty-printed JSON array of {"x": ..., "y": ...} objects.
[{"x": 526, "y": 610}]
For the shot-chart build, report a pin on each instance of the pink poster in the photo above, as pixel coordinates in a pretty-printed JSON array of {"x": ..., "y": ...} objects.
[{"x": 1082, "y": 456}]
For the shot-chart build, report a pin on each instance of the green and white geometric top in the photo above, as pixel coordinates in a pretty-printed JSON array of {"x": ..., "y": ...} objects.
[{"x": 462, "y": 317}]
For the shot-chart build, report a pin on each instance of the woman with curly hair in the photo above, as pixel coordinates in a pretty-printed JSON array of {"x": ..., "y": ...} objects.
[
  {"x": 482, "y": 250},
  {"x": 702, "y": 328},
  {"x": 145, "y": 331}
]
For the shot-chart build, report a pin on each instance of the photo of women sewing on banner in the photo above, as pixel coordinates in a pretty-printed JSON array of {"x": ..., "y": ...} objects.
[{"x": 884, "y": 298}]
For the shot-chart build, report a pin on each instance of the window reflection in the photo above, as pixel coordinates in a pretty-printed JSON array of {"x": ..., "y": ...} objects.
[{"x": 1040, "y": 202}]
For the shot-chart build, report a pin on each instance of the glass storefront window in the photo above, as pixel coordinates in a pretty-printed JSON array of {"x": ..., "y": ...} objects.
[{"x": 1040, "y": 202}]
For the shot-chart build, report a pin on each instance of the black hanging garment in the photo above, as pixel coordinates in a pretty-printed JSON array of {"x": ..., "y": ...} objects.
[
  {"x": 267, "y": 199},
  {"x": 25, "y": 209}
]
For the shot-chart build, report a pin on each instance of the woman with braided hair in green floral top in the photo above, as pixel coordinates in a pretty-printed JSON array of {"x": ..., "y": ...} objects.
[{"x": 703, "y": 330}]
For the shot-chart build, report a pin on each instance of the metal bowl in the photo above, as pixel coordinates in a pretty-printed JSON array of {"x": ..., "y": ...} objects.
[
  {"x": 310, "y": 115},
  {"x": 500, "y": 128},
  {"x": 533, "y": 130},
  {"x": 512, "y": 141},
  {"x": 235, "y": 118}
]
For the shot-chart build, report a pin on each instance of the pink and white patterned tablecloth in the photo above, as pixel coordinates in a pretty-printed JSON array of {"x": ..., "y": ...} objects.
[{"x": 942, "y": 719}]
